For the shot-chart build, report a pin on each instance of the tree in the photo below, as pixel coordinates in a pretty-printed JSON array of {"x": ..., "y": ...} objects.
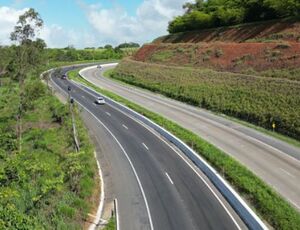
[
  {"x": 108, "y": 46},
  {"x": 28, "y": 55}
]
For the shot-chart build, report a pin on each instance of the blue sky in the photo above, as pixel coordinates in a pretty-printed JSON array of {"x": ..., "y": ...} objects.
[{"x": 85, "y": 23}]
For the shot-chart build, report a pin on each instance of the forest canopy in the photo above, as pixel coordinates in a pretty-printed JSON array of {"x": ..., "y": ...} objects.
[{"x": 215, "y": 13}]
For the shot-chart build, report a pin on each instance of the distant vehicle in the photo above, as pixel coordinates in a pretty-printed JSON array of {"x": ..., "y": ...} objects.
[
  {"x": 100, "y": 101},
  {"x": 64, "y": 76},
  {"x": 99, "y": 66}
]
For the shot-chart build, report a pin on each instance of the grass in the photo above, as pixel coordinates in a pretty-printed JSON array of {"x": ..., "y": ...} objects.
[
  {"x": 265, "y": 201},
  {"x": 257, "y": 100},
  {"x": 47, "y": 185},
  {"x": 111, "y": 224},
  {"x": 274, "y": 134}
]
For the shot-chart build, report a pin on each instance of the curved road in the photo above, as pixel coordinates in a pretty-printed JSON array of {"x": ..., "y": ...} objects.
[
  {"x": 156, "y": 187},
  {"x": 276, "y": 162}
]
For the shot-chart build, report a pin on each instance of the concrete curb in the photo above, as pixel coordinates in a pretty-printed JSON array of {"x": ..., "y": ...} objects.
[{"x": 239, "y": 205}]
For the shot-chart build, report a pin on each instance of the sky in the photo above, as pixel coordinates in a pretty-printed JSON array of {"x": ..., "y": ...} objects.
[{"x": 93, "y": 23}]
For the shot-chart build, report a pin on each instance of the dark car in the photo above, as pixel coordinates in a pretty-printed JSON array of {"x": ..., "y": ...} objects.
[{"x": 64, "y": 77}]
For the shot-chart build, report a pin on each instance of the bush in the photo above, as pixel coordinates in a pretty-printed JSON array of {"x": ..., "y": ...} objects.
[{"x": 211, "y": 13}]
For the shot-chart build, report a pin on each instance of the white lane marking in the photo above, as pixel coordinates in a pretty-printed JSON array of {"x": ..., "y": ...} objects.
[
  {"x": 83, "y": 96},
  {"x": 179, "y": 154},
  {"x": 108, "y": 114},
  {"x": 125, "y": 127},
  {"x": 169, "y": 178},
  {"x": 286, "y": 172},
  {"x": 188, "y": 163},
  {"x": 146, "y": 147},
  {"x": 117, "y": 214},
  {"x": 209, "y": 187},
  {"x": 130, "y": 162}
]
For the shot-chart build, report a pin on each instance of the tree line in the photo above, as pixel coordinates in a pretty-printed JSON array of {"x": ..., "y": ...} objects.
[{"x": 216, "y": 13}]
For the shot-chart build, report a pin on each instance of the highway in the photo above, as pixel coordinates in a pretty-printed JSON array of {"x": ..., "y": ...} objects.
[
  {"x": 274, "y": 161},
  {"x": 155, "y": 185}
]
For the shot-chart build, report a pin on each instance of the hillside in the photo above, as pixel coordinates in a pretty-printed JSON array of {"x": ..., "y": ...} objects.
[
  {"x": 270, "y": 49},
  {"x": 274, "y": 30},
  {"x": 238, "y": 71}
]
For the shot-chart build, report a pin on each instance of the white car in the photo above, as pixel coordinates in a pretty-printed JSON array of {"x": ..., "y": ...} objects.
[
  {"x": 100, "y": 101},
  {"x": 99, "y": 66}
]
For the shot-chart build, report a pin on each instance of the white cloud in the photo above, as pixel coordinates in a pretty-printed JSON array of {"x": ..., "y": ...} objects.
[
  {"x": 54, "y": 35},
  {"x": 115, "y": 25},
  {"x": 108, "y": 25},
  {"x": 58, "y": 37},
  {"x": 8, "y": 19}
]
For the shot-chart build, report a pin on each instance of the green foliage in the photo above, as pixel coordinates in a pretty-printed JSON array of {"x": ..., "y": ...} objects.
[
  {"x": 47, "y": 186},
  {"x": 70, "y": 54},
  {"x": 254, "y": 99},
  {"x": 271, "y": 206},
  {"x": 128, "y": 45},
  {"x": 111, "y": 224},
  {"x": 215, "y": 13}
]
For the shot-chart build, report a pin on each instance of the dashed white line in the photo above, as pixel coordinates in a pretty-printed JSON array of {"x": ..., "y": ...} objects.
[
  {"x": 130, "y": 162},
  {"x": 83, "y": 96},
  {"x": 125, "y": 127},
  {"x": 286, "y": 172},
  {"x": 169, "y": 178},
  {"x": 108, "y": 114},
  {"x": 146, "y": 147}
]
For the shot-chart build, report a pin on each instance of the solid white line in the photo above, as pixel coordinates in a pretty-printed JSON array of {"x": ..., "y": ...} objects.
[
  {"x": 286, "y": 172},
  {"x": 117, "y": 214},
  {"x": 216, "y": 196},
  {"x": 179, "y": 154},
  {"x": 108, "y": 114},
  {"x": 125, "y": 127},
  {"x": 130, "y": 162},
  {"x": 169, "y": 178},
  {"x": 146, "y": 147}
]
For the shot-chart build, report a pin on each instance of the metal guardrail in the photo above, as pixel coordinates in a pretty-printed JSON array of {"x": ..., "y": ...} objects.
[{"x": 239, "y": 205}]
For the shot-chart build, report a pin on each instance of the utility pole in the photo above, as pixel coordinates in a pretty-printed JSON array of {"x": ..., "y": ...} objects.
[{"x": 71, "y": 100}]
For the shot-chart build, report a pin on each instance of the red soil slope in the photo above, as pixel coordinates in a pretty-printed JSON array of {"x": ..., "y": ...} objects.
[{"x": 272, "y": 45}]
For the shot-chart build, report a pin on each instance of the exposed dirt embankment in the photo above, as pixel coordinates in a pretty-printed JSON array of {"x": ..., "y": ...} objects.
[
  {"x": 232, "y": 57},
  {"x": 270, "y": 49}
]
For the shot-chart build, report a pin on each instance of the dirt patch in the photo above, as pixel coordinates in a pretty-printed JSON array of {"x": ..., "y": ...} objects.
[{"x": 232, "y": 57}]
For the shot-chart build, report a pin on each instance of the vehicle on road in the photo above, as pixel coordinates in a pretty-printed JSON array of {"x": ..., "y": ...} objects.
[
  {"x": 64, "y": 76},
  {"x": 99, "y": 67},
  {"x": 100, "y": 101}
]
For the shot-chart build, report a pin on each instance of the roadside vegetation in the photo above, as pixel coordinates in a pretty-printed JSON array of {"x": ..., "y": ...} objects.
[
  {"x": 70, "y": 54},
  {"x": 215, "y": 13},
  {"x": 266, "y": 202},
  {"x": 44, "y": 182},
  {"x": 258, "y": 100}
]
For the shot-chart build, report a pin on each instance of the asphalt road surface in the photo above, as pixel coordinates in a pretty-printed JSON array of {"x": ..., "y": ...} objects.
[
  {"x": 276, "y": 162},
  {"x": 155, "y": 185}
]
